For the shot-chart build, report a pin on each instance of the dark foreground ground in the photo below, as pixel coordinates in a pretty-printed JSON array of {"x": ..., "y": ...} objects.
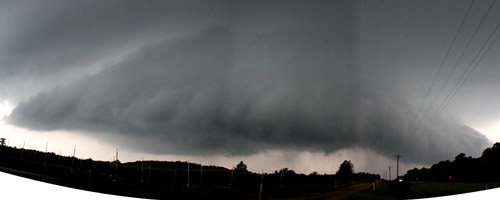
[
  {"x": 167, "y": 180},
  {"x": 423, "y": 189},
  {"x": 338, "y": 194}
]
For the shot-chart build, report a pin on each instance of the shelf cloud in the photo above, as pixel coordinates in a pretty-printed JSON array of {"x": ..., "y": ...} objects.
[{"x": 233, "y": 79}]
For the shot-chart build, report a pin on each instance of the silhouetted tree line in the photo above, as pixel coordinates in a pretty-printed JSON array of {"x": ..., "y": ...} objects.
[
  {"x": 167, "y": 179},
  {"x": 463, "y": 168}
]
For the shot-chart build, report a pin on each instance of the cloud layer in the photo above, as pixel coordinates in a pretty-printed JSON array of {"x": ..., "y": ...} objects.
[
  {"x": 303, "y": 79},
  {"x": 205, "y": 94}
]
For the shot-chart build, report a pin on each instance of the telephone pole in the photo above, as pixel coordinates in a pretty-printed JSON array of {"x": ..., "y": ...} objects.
[
  {"x": 142, "y": 170},
  {"x": 397, "y": 166},
  {"x": 116, "y": 166},
  {"x": 45, "y": 154},
  {"x": 73, "y": 159},
  {"x": 188, "y": 175},
  {"x": 390, "y": 173}
]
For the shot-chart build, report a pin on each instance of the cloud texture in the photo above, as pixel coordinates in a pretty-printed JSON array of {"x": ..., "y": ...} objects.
[{"x": 303, "y": 78}]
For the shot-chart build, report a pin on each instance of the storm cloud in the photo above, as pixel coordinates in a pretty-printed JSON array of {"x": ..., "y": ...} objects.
[{"x": 243, "y": 79}]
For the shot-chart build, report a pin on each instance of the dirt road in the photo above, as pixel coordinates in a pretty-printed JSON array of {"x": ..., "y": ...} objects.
[{"x": 337, "y": 194}]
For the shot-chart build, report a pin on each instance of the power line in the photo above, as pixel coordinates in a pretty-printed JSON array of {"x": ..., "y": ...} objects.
[
  {"x": 455, "y": 66},
  {"x": 458, "y": 85},
  {"x": 441, "y": 65},
  {"x": 460, "y": 57},
  {"x": 465, "y": 75}
]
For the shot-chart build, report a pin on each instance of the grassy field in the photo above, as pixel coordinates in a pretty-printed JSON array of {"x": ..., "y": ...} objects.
[{"x": 421, "y": 189}]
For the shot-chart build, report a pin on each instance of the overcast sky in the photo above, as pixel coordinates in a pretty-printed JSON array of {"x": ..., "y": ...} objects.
[{"x": 301, "y": 84}]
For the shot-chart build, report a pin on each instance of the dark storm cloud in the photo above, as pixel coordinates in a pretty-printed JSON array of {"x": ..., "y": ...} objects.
[
  {"x": 43, "y": 44},
  {"x": 306, "y": 76},
  {"x": 59, "y": 34}
]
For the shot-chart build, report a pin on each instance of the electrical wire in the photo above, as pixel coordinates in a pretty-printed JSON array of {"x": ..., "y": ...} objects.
[
  {"x": 456, "y": 64},
  {"x": 458, "y": 85},
  {"x": 440, "y": 67}
]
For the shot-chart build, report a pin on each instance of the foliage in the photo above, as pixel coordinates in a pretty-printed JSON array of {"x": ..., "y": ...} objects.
[
  {"x": 346, "y": 169},
  {"x": 463, "y": 168},
  {"x": 314, "y": 173},
  {"x": 284, "y": 171},
  {"x": 241, "y": 167}
]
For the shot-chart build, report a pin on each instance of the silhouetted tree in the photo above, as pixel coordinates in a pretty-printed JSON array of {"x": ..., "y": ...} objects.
[
  {"x": 314, "y": 173},
  {"x": 490, "y": 162},
  {"x": 417, "y": 174},
  {"x": 241, "y": 167},
  {"x": 346, "y": 169},
  {"x": 284, "y": 171},
  {"x": 463, "y": 168}
]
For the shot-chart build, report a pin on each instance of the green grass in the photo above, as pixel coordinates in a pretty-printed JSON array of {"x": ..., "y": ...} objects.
[{"x": 420, "y": 189}]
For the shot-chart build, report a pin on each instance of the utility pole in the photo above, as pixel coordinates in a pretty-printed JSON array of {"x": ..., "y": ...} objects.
[
  {"x": 397, "y": 166},
  {"x": 390, "y": 173},
  {"x": 142, "y": 170},
  {"x": 111, "y": 165},
  {"x": 261, "y": 185},
  {"x": 73, "y": 159},
  {"x": 45, "y": 155},
  {"x": 116, "y": 166}
]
